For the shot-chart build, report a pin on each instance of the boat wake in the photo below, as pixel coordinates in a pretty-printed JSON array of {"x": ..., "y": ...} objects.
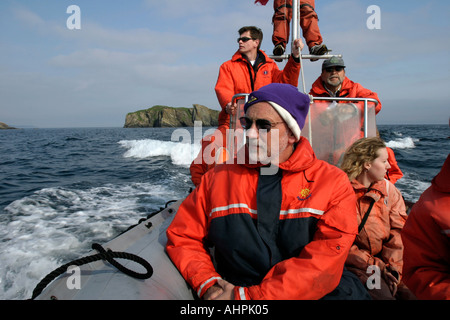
[
  {"x": 181, "y": 154},
  {"x": 402, "y": 143},
  {"x": 42, "y": 231}
]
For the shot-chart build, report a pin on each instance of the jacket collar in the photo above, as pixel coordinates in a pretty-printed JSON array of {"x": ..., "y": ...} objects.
[
  {"x": 261, "y": 57},
  {"x": 375, "y": 191},
  {"x": 319, "y": 89}
]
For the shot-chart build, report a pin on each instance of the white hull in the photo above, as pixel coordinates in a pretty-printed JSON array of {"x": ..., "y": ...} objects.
[{"x": 99, "y": 280}]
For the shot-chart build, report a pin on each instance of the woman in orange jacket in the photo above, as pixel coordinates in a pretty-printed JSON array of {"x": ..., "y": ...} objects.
[
  {"x": 426, "y": 237},
  {"x": 381, "y": 217}
]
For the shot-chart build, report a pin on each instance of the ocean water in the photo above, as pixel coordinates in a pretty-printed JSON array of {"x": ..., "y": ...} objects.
[{"x": 63, "y": 189}]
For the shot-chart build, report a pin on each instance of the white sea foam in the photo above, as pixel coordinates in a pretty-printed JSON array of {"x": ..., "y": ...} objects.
[
  {"x": 402, "y": 143},
  {"x": 411, "y": 188},
  {"x": 56, "y": 225},
  {"x": 180, "y": 153}
]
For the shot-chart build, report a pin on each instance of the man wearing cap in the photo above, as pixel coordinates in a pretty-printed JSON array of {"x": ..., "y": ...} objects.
[
  {"x": 334, "y": 83},
  {"x": 283, "y": 235}
]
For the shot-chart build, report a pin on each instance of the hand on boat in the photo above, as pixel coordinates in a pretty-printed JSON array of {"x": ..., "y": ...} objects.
[{"x": 297, "y": 47}]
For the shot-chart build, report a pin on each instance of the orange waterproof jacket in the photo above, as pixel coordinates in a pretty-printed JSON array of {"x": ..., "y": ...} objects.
[
  {"x": 238, "y": 76},
  {"x": 317, "y": 226},
  {"x": 379, "y": 242},
  {"x": 349, "y": 89},
  {"x": 426, "y": 237}
]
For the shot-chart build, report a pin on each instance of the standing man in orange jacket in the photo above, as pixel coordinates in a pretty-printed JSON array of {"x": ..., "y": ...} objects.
[
  {"x": 277, "y": 234},
  {"x": 249, "y": 69}
]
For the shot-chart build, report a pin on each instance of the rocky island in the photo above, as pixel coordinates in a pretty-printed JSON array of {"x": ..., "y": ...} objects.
[
  {"x": 5, "y": 126},
  {"x": 164, "y": 116}
]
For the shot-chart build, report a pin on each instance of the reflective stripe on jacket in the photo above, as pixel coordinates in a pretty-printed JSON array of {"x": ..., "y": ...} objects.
[{"x": 317, "y": 226}]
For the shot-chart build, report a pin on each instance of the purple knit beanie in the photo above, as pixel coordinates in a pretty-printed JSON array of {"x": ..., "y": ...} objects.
[{"x": 291, "y": 104}]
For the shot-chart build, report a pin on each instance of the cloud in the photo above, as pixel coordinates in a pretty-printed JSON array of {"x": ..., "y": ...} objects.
[
  {"x": 169, "y": 53},
  {"x": 180, "y": 9},
  {"x": 28, "y": 17}
]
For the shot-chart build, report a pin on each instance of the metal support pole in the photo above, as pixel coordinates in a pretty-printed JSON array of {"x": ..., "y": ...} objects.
[{"x": 366, "y": 114}]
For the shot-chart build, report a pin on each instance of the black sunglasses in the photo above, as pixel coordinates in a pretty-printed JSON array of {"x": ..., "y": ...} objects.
[
  {"x": 244, "y": 39},
  {"x": 330, "y": 69},
  {"x": 261, "y": 124}
]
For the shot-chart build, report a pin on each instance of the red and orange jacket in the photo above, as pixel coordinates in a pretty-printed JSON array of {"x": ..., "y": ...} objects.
[
  {"x": 317, "y": 226},
  {"x": 379, "y": 242},
  {"x": 349, "y": 89},
  {"x": 239, "y": 76},
  {"x": 426, "y": 237}
]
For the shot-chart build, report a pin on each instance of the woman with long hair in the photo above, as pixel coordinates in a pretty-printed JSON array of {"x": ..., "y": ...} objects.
[{"x": 376, "y": 256}]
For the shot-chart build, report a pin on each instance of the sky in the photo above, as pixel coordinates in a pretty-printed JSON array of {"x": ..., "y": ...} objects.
[{"x": 125, "y": 56}]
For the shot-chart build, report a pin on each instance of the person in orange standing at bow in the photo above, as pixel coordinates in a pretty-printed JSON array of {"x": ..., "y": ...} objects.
[{"x": 308, "y": 22}]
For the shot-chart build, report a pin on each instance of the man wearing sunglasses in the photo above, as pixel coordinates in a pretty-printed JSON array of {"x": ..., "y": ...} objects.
[
  {"x": 334, "y": 83},
  {"x": 284, "y": 235},
  {"x": 249, "y": 69}
]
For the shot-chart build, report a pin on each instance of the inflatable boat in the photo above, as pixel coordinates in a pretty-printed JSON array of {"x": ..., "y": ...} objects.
[{"x": 135, "y": 265}]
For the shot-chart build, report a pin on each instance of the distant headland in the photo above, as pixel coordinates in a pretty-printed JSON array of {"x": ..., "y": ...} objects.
[
  {"x": 164, "y": 116},
  {"x": 5, "y": 126}
]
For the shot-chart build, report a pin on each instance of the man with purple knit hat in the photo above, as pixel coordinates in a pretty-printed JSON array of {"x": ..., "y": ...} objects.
[{"x": 284, "y": 235}]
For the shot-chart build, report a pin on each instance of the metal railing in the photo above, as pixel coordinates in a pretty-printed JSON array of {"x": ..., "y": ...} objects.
[{"x": 365, "y": 100}]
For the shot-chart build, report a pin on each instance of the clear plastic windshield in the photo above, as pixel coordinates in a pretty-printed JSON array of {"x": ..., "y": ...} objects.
[{"x": 331, "y": 126}]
